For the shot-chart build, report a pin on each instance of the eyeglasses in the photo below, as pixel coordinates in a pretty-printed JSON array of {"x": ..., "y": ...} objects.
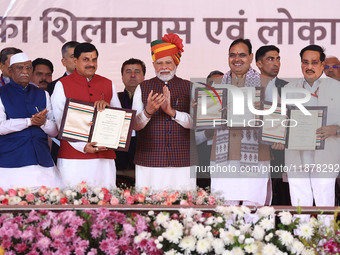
[
  {"x": 313, "y": 63},
  {"x": 21, "y": 68},
  {"x": 240, "y": 55},
  {"x": 328, "y": 67}
]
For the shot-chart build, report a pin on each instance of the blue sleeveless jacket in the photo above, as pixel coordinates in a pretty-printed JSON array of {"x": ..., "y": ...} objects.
[{"x": 28, "y": 146}]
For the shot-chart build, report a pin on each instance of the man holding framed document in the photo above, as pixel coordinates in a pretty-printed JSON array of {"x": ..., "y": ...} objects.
[
  {"x": 84, "y": 161},
  {"x": 315, "y": 171}
]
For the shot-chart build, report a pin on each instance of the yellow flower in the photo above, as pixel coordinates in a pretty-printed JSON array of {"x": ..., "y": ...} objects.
[{"x": 2, "y": 251}]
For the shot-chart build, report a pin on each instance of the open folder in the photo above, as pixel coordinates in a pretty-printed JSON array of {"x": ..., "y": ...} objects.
[{"x": 111, "y": 128}]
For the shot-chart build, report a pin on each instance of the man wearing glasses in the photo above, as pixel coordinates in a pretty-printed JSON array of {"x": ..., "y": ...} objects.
[
  {"x": 26, "y": 119},
  {"x": 332, "y": 67},
  {"x": 305, "y": 184}
]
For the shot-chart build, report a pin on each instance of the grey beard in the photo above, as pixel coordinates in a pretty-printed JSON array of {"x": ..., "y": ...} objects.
[{"x": 166, "y": 77}]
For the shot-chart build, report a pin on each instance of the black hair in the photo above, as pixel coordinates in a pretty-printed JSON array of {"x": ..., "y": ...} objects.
[
  {"x": 42, "y": 61},
  {"x": 84, "y": 47},
  {"x": 133, "y": 61},
  {"x": 261, "y": 52},
  {"x": 241, "y": 40},
  {"x": 314, "y": 47}
]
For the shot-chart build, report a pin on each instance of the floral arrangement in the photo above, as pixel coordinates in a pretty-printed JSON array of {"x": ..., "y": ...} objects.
[
  {"x": 83, "y": 194},
  {"x": 229, "y": 230}
]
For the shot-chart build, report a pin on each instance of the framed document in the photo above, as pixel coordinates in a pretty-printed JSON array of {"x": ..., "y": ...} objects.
[
  {"x": 296, "y": 130},
  {"x": 274, "y": 129},
  {"x": 248, "y": 119},
  {"x": 209, "y": 110},
  {"x": 111, "y": 128},
  {"x": 302, "y": 136}
]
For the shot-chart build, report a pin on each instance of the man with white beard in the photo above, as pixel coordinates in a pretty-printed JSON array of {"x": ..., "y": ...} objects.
[{"x": 163, "y": 122}]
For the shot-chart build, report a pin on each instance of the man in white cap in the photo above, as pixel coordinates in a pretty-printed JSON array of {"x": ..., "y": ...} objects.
[{"x": 26, "y": 119}]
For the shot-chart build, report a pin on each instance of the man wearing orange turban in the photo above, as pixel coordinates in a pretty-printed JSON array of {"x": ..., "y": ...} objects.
[{"x": 163, "y": 122}]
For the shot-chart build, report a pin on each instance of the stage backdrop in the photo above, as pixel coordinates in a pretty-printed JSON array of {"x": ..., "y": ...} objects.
[{"x": 124, "y": 29}]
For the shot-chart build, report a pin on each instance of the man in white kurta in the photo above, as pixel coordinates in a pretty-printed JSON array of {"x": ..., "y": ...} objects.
[
  {"x": 26, "y": 118},
  {"x": 318, "y": 184},
  {"x": 80, "y": 161}
]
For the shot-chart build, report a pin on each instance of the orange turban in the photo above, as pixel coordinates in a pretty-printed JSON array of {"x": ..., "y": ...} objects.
[{"x": 170, "y": 45}]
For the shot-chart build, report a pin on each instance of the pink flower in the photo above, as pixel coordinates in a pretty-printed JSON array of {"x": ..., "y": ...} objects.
[
  {"x": 12, "y": 192},
  {"x": 114, "y": 201},
  {"x": 183, "y": 202},
  {"x": 43, "y": 243},
  {"x": 2, "y": 192},
  {"x": 126, "y": 193},
  {"x": 199, "y": 200},
  {"x": 140, "y": 198},
  {"x": 211, "y": 200},
  {"x": 69, "y": 233},
  {"x": 128, "y": 229},
  {"x": 23, "y": 203},
  {"x": 129, "y": 200},
  {"x": 85, "y": 201},
  {"x": 172, "y": 198},
  {"x": 57, "y": 231},
  {"x": 202, "y": 193},
  {"x": 101, "y": 202},
  {"x": 21, "y": 248},
  {"x": 145, "y": 190},
  {"x": 42, "y": 190},
  {"x": 21, "y": 192},
  {"x": 107, "y": 197},
  {"x": 30, "y": 197}
]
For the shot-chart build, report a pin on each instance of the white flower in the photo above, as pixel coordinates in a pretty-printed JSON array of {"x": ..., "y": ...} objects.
[
  {"x": 203, "y": 246},
  {"x": 2, "y": 197},
  {"x": 101, "y": 196},
  {"x": 198, "y": 231},
  {"x": 285, "y": 218},
  {"x": 174, "y": 232},
  {"x": 227, "y": 253},
  {"x": 14, "y": 200},
  {"x": 245, "y": 209},
  {"x": 266, "y": 211},
  {"x": 188, "y": 243},
  {"x": 285, "y": 237},
  {"x": 268, "y": 237},
  {"x": 227, "y": 237},
  {"x": 237, "y": 251},
  {"x": 241, "y": 239},
  {"x": 251, "y": 248},
  {"x": 258, "y": 233},
  {"x": 219, "y": 219},
  {"x": 68, "y": 193},
  {"x": 189, "y": 212},
  {"x": 159, "y": 246},
  {"x": 210, "y": 221},
  {"x": 305, "y": 231},
  {"x": 270, "y": 249},
  {"x": 267, "y": 224},
  {"x": 162, "y": 218},
  {"x": 94, "y": 199},
  {"x": 218, "y": 246},
  {"x": 308, "y": 252},
  {"x": 297, "y": 247},
  {"x": 249, "y": 241},
  {"x": 160, "y": 238},
  {"x": 76, "y": 202},
  {"x": 151, "y": 213},
  {"x": 171, "y": 252},
  {"x": 97, "y": 190},
  {"x": 245, "y": 228}
]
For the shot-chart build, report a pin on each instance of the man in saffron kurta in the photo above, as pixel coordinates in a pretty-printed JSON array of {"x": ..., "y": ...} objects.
[
  {"x": 163, "y": 122},
  {"x": 26, "y": 119},
  {"x": 80, "y": 161}
]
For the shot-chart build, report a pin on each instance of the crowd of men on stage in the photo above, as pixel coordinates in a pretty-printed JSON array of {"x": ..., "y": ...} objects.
[{"x": 32, "y": 106}]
